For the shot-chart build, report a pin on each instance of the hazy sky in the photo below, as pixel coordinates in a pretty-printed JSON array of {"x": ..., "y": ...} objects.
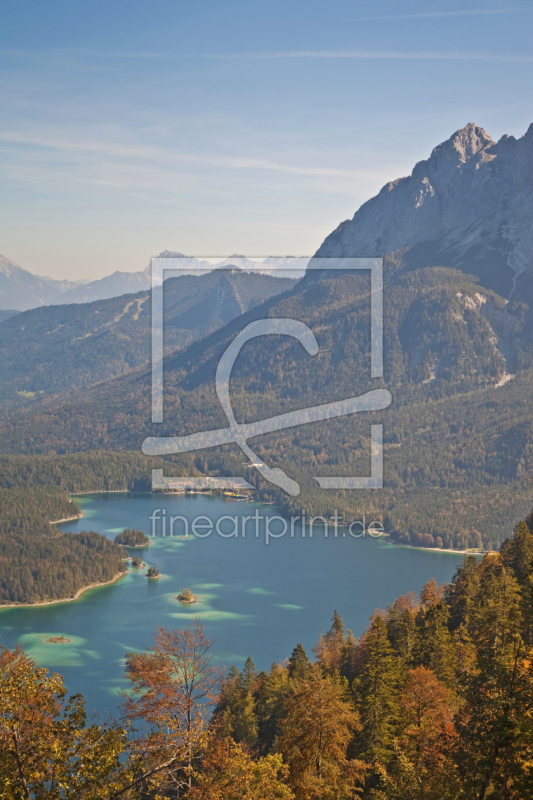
[{"x": 129, "y": 127}]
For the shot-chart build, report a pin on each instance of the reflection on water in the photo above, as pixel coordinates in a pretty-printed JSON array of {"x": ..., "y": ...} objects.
[{"x": 258, "y": 600}]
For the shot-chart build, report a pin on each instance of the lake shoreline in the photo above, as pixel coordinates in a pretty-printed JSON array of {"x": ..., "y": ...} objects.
[
  {"x": 66, "y": 519},
  {"x": 77, "y": 596},
  {"x": 124, "y": 491},
  {"x": 438, "y": 549}
]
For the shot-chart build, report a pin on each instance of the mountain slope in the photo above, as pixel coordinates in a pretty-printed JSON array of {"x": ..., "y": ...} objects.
[
  {"x": 454, "y": 433},
  {"x": 114, "y": 285},
  {"x": 470, "y": 205},
  {"x": 57, "y": 348},
  {"x": 458, "y": 360},
  {"x": 20, "y": 290}
]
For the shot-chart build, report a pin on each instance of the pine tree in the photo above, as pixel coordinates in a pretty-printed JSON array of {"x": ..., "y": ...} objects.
[
  {"x": 433, "y": 647},
  {"x": 517, "y": 555},
  {"x": 235, "y": 715},
  {"x": 334, "y": 650},
  {"x": 377, "y": 692},
  {"x": 337, "y": 624},
  {"x": 299, "y": 664},
  {"x": 245, "y": 718},
  {"x": 272, "y": 692},
  {"x": 496, "y": 735},
  {"x": 460, "y": 594},
  {"x": 401, "y": 626}
]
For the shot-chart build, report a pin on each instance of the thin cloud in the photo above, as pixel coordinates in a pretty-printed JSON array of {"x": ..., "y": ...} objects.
[
  {"x": 430, "y": 14},
  {"x": 424, "y": 55},
  {"x": 150, "y": 153}
]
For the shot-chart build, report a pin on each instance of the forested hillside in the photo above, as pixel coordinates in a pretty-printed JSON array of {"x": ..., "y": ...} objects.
[
  {"x": 433, "y": 701},
  {"x": 38, "y": 563},
  {"x": 57, "y": 348},
  {"x": 458, "y": 437}
]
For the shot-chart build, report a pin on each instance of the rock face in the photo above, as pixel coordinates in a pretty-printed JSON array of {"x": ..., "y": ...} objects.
[{"x": 469, "y": 205}]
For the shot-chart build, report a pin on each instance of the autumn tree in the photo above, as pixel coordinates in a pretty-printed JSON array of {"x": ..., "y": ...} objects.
[
  {"x": 432, "y": 593},
  {"x": 46, "y": 748},
  {"x": 334, "y": 649},
  {"x": 427, "y": 732},
  {"x": 228, "y": 772},
  {"x": 172, "y": 687},
  {"x": 318, "y": 725}
]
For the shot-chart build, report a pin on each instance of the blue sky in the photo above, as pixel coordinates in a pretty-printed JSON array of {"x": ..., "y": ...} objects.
[{"x": 211, "y": 128}]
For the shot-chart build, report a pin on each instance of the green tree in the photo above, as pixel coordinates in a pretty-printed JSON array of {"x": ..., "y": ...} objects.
[
  {"x": 245, "y": 718},
  {"x": 496, "y": 734},
  {"x": 460, "y": 594},
  {"x": 377, "y": 693},
  {"x": 272, "y": 692},
  {"x": 401, "y": 625},
  {"x": 517, "y": 555},
  {"x": 299, "y": 664},
  {"x": 434, "y": 646}
]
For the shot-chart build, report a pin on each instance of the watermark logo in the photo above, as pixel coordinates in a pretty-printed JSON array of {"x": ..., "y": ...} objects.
[
  {"x": 373, "y": 400},
  {"x": 261, "y": 526}
]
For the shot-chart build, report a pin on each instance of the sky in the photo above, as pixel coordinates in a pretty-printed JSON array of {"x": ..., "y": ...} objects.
[{"x": 212, "y": 128}]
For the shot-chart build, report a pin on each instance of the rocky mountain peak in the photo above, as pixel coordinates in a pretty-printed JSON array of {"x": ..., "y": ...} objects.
[
  {"x": 465, "y": 143},
  {"x": 469, "y": 205}
]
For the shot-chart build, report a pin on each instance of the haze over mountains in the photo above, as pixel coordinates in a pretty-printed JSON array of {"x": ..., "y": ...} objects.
[{"x": 20, "y": 290}]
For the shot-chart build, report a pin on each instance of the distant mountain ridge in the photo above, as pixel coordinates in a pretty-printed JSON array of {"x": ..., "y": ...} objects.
[
  {"x": 469, "y": 206},
  {"x": 57, "y": 348},
  {"x": 20, "y": 290}
]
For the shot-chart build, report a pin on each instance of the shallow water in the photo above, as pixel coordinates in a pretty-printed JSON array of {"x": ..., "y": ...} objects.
[{"x": 258, "y": 600}]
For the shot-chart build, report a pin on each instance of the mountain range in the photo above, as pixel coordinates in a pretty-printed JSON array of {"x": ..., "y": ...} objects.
[
  {"x": 49, "y": 350},
  {"x": 458, "y": 358},
  {"x": 20, "y": 290}
]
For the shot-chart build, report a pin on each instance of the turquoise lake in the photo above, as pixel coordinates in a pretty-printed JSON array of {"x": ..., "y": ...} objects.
[{"x": 258, "y": 600}]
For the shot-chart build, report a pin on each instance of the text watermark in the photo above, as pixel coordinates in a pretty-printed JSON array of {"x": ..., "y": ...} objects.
[{"x": 230, "y": 526}]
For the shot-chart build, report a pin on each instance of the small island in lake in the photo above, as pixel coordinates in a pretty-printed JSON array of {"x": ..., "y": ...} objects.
[
  {"x": 136, "y": 562},
  {"x": 153, "y": 572},
  {"x": 132, "y": 537},
  {"x": 57, "y": 640},
  {"x": 187, "y": 597}
]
